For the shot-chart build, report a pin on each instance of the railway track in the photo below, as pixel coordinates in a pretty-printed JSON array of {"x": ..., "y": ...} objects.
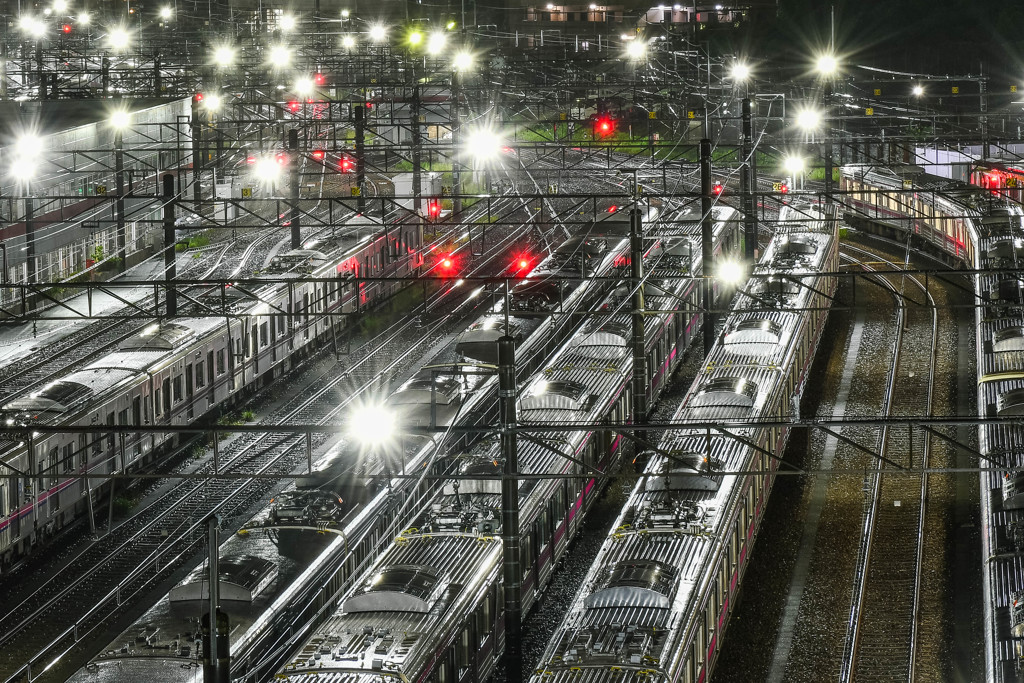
[
  {"x": 148, "y": 547},
  {"x": 882, "y": 631}
]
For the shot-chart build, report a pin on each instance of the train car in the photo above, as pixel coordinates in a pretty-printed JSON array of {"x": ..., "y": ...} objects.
[
  {"x": 175, "y": 371},
  {"x": 364, "y": 511},
  {"x": 656, "y": 602},
  {"x": 999, "y": 178},
  {"x": 429, "y": 606}
]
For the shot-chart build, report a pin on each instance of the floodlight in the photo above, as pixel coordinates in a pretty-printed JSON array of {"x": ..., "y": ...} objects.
[
  {"x": 372, "y": 424},
  {"x": 793, "y": 165},
  {"x": 483, "y": 144},
  {"x": 827, "y": 65},
  {"x": 60, "y": 5},
  {"x": 118, "y": 39},
  {"x": 740, "y": 72},
  {"x": 378, "y": 33},
  {"x": 731, "y": 272},
  {"x": 462, "y": 61},
  {"x": 280, "y": 56},
  {"x": 224, "y": 56},
  {"x": 918, "y": 90},
  {"x": 83, "y": 19},
  {"x": 808, "y": 119},
  {"x": 166, "y": 12},
  {"x": 344, "y": 14},
  {"x": 32, "y": 26},
  {"x": 436, "y": 42},
  {"x": 286, "y": 22},
  {"x": 304, "y": 87},
  {"x": 267, "y": 168},
  {"x": 120, "y": 119},
  {"x": 636, "y": 49},
  {"x": 212, "y": 102},
  {"x": 415, "y": 38},
  {"x": 348, "y": 42},
  {"x": 450, "y": 25},
  {"x": 25, "y": 155}
]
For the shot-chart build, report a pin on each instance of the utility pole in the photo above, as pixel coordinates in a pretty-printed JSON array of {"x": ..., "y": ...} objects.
[
  {"x": 293, "y": 186},
  {"x": 706, "y": 246},
  {"x": 170, "y": 269},
  {"x": 636, "y": 268},
  {"x": 360, "y": 126},
  {"x": 828, "y": 140},
  {"x": 197, "y": 157},
  {"x": 512, "y": 571},
  {"x": 456, "y": 141},
  {"x": 748, "y": 186}
]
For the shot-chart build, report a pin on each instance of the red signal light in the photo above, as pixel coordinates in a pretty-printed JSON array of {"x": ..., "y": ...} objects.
[
  {"x": 318, "y": 79},
  {"x": 613, "y": 208},
  {"x": 783, "y": 188},
  {"x": 198, "y": 97},
  {"x": 433, "y": 208},
  {"x": 523, "y": 263},
  {"x": 346, "y": 165},
  {"x": 294, "y": 105},
  {"x": 447, "y": 263},
  {"x": 66, "y": 28},
  {"x": 717, "y": 189},
  {"x": 604, "y": 126},
  {"x": 318, "y": 154}
]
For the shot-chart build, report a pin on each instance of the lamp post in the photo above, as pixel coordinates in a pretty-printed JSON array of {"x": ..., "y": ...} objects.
[
  {"x": 827, "y": 66},
  {"x": 741, "y": 75},
  {"x": 462, "y": 62},
  {"x": 25, "y": 155},
  {"x": 795, "y": 166}
]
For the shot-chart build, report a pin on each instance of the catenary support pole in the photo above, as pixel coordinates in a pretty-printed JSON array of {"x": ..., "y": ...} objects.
[
  {"x": 360, "y": 129},
  {"x": 512, "y": 571},
  {"x": 293, "y": 186},
  {"x": 706, "y": 246},
  {"x": 170, "y": 269},
  {"x": 636, "y": 267},
  {"x": 748, "y": 186},
  {"x": 122, "y": 251}
]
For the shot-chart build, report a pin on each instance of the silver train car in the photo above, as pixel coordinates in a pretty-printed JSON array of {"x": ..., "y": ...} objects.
[
  {"x": 174, "y": 372},
  {"x": 656, "y": 602},
  {"x": 162, "y": 643},
  {"x": 429, "y": 607}
]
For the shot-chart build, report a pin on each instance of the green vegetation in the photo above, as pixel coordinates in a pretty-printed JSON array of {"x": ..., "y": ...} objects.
[
  {"x": 248, "y": 415},
  {"x": 124, "y": 504}
]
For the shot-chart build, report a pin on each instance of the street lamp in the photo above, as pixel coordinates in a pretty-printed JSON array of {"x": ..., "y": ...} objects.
[
  {"x": 304, "y": 87},
  {"x": 166, "y": 13},
  {"x": 462, "y": 61},
  {"x": 795, "y": 166},
  {"x": 119, "y": 120},
  {"x": 436, "y": 42},
  {"x": 731, "y": 272},
  {"x": 415, "y": 38},
  {"x": 348, "y": 42},
  {"x": 224, "y": 56},
  {"x": 739, "y": 72},
  {"x": 374, "y": 426},
  {"x": 25, "y": 155},
  {"x": 918, "y": 90},
  {"x": 268, "y": 170},
  {"x": 808, "y": 119},
  {"x": 118, "y": 39},
  {"x": 279, "y": 56},
  {"x": 212, "y": 102},
  {"x": 378, "y": 33},
  {"x": 286, "y": 22},
  {"x": 636, "y": 49},
  {"x": 827, "y": 64}
]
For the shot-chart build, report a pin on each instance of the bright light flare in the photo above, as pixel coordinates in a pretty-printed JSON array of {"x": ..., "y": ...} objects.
[
  {"x": 25, "y": 155},
  {"x": 739, "y": 72},
  {"x": 280, "y": 56},
  {"x": 415, "y": 38},
  {"x": 378, "y": 33},
  {"x": 918, "y": 90},
  {"x": 83, "y": 19},
  {"x": 267, "y": 168},
  {"x": 808, "y": 119},
  {"x": 120, "y": 119},
  {"x": 118, "y": 39},
  {"x": 484, "y": 144},
  {"x": 372, "y": 424},
  {"x": 731, "y": 272},
  {"x": 32, "y": 26},
  {"x": 212, "y": 102},
  {"x": 636, "y": 49},
  {"x": 826, "y": 65},
  {"x": 60, "y": 5},
  {"x": 166, "y": 12},
  {"x": 304, "y": 87},
  {"x": 224, "y": 56},
  {"x": 462, "y": 61},
  {"x": 348, "y": 42},
  {"x": 793, "y": 165},
  {"x": 286, "y": 22},
  {"x": 436, "y": 42}
]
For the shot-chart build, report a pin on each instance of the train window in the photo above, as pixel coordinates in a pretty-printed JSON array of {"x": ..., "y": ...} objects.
[
  {"x": 167, "y": 394},
  {"x": 220, "y": 361},
  {"x": 465, "y": 646},
  {"x": 253, "y": 340},
  {"x": 83, "y": 451},
  {"x": 264, "y": 334},
  {"x": 188, "y": 380},
  {"x": 177, "y": 388},
  {"x": 200, "y": 374},
  {"x": 136, "y": 410}
]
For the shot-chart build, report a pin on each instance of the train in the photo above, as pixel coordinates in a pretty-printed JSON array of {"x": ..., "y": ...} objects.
[
  {"x": 429, "y": 606},
  {"x": 988, "y": 221},
  {"x": 344, "y": 497},
  {"x": 175, "y": 371},
  {"x": 655, "y": 603}
]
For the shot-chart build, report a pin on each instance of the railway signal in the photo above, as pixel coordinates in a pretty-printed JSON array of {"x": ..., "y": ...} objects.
[
  {"x": 522, "y": 265},
  {"x": 447, "y": 266},
  {"x": 433, "y": 209},
  {"x": 318, "y": 154},
  {"x": 346, "y": 165},
  {"x": 604, "y": 126},
  {"x": 717, "y": 189}
]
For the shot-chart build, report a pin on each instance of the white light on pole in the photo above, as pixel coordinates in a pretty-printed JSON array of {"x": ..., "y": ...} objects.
[
  {"x": 740, "y": 72},
  {"x": 436, "y": 42},
  {"x": 483, "y": 144},
  {"x": 378, "y": 33},
  {"x": 83, "y": 19},
  {"x": 166, "y": 12},
  {"x": 280, "y": 56},
  {"x": 224, "y": 56},
  {"x": 731, "y": 272},
  {"x": 373, "y": 425},
  {"x": 636, "y": 49},
  {"x": 32, "y": 26},
  {"x": 118, "y": 39},
  {"x": 286, "y": 22},
  {"x": 415, "y": 38},
  {"x": 60, "y": 5},
  {"x": 25, "y": 155},
  {"x": 794, "y": 165},
  {"x": 918, "y": 90},
  {"x": 348, "y": 42},
  {"x": 827, "y": 65},
  {"x": 304, "y": 87},
  {"x": 120, "y": 119},
  {"x": 212, "y": 102},
  {"x": 808, "y": 119},
  {"x": 462, "y": 61}
]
